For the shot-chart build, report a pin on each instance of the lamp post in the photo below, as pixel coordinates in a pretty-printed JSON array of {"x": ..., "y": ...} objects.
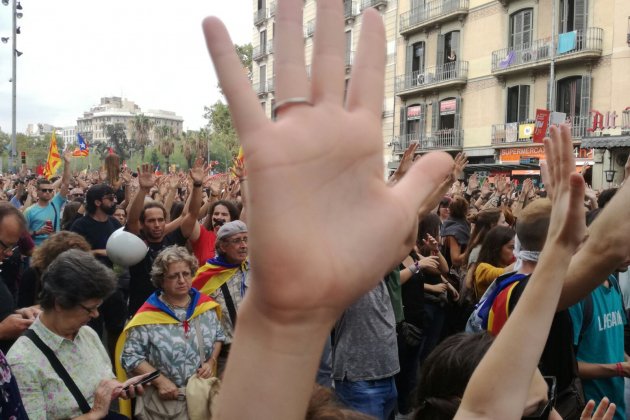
[
  {"x": 14, "y": 55},
  {"x": 610, "y": 172}
]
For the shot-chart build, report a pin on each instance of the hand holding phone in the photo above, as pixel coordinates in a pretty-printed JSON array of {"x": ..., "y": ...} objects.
[{"x": 143, "y": 380}]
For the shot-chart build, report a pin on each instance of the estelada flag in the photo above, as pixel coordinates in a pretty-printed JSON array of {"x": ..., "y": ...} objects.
[
  {"x": 213, "y": 274},
  {"x": 82, "y": 150},
  {"x": 542, "y": 122},
  {"x": 54, "y": 159}
]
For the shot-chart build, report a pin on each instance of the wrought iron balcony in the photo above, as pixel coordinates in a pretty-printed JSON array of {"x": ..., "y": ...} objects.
[
  {"x": 349, "y": 10},
  {"x": 443, "y": 139},
  {"x": 523, "y": 132},
  {"x": 260, "y": 16},
  {"x": 259, "y": 52},
  {"x": 448, "y": 74},
  {"x": 349, "y": 59},
  {"x": 431, "y": 13},
  {"x": 271, "y": 87},
  {"x": 575, "y": 46},
  {"x": 401, "y": 143},
  {"x": 373, "y": 3},
  {"x": 272, "y": 9},
  {"x": 262, "y": 88}
]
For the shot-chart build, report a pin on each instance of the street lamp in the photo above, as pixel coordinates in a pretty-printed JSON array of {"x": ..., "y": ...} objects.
[
  {"x": 16, "y": 30},
  {"x": 610, "y": 172}
]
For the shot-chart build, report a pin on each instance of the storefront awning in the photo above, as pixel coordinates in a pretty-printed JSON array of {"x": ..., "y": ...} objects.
[
  {"x": 605, "y": 142},
  {"x": 503, "y": 167}
]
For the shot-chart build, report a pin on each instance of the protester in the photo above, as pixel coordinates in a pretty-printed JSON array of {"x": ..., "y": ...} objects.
[
  {"x": 74, "y": 286},
  {"x": 165, "y": 332},
  {"x": 496, "y": 258},
  {"x": 204, "y": 237}
]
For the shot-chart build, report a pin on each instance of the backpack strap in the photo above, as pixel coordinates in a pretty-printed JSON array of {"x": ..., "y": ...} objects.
[
  {"x": 56, "y": 215},
  {"x": 229, "y": 303},
  {"x": 59, "y": 369}
]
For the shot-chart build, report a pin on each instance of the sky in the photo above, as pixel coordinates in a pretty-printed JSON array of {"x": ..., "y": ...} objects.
[{"x": 151, "y": 52}]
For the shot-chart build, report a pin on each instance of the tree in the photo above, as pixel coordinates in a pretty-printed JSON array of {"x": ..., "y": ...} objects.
[
  {"x": 140, "y": 127},
  {"x": 165, "y": 143},
  {"x": 245, "y": 53},
  {"x": 118, "y": 141}
]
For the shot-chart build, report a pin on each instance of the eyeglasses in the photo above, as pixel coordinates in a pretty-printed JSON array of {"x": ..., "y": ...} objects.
[
  {"x": 543, "y": 412},
  {"x": 237, "y": 241},
  {"x": 184, "y": 274},
  {"x": 8, "y": 250},
  {"x": 91, "y": 310},
  {"x": 47, "y": 190}
]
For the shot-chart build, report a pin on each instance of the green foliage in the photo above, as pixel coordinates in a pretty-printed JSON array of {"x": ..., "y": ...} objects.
[{"x": 118, "y": 141}]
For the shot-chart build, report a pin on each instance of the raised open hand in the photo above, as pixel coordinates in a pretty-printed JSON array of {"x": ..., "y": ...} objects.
[
  {"x": 405, "y": 163},
  {"x": 238, "y": 169},
  {"x": 473, "y": 183},
  {"x": 461, "y": 160},
  {"x": 198, "y": 171},
  {"x": 146, "y": 176},
  {"x": 331, "y": 160}
]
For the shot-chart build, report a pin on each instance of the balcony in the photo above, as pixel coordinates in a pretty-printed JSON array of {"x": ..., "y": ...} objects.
[
  {"x": 443, "y": 139},
  {"x": 401, "y": 143},
  {"x": 365, "y": 4},
  {"x": 349, "y": 59},
  {"x": 587, "y": 44},
  {"x": 510, "y": 134},
  {"x": 261, "y": 51},
  {"x": 432, "y": 13},
  {"x": 260, "y": 16},
  {"x": 271, "y": 87},
  {"x": 310, "y": 28},
  {"x": 435, "y": 77},
  {"x": 264, "y": 87},
  {"x": 272, "y": 9}
]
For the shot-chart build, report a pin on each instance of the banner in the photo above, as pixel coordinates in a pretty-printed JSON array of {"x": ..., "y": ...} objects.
[{"x": 542, "y": 122}]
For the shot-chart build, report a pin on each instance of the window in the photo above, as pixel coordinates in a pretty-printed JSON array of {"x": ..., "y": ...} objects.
[
  {"x": 448, "y": 47},
  {"x": 263, "y": 41},
  {"x": 263, "y": 78},
  {"x": 261, "y": 4},
  {"x": 517, "y": 104},
  {"x": 521, "y": 29},
  {"x": 417, "y": 61},
  {"x": 572, "y": 15},
  {"x": 348, "y": 47},
  {"x": 446, "y": 114},
  {"x": 573, "y": 97},
  {"x": 412, "y": 123}
]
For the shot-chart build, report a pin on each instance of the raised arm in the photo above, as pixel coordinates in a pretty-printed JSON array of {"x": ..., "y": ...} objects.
[
  {"x": 526, "y": 330},
  {"x": 189, "y": 221},
  {"x": 320, "y": 158},
  {"x": 65, "y": 178},
  {"x": 146, "y": 181}
]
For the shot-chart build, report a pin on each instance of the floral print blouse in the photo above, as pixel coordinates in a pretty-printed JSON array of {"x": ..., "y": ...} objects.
[{"x": 11, "y": 407}]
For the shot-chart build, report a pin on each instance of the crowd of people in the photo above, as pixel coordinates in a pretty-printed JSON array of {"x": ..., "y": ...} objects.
[{"x": 416, "y": 297}]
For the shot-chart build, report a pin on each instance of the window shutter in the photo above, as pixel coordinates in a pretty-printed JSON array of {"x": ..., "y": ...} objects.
[
  {"x": 408, "y": 61},
  {"x": 523, "y": 103},
  {"x": 455, "y": 43},
  {"x": 458, "y": 114},
  {"x": 440, "y": 50},
  {"x": 579, "y": 15},
  {"x": 585, "y": 102},
  {"x": 403, "y": 121},
  {"x": 435, "y": 116},
  {"x": 423, "y": 121},
  {"x": 527, "y": 28}
]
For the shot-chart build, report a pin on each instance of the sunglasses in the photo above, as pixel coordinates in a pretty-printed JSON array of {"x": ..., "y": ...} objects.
[
  {"x": 48, "y": 190},
  {"x": 552, "y": 393}
]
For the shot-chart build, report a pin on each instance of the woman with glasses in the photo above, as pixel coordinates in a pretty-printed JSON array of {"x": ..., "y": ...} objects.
[
  {"x": 73, "y": 287},
  {"x": 166, "y": 331}
]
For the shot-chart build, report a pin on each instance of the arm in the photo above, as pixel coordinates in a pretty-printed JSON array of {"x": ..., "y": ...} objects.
[
  {"x": 457, "y": 257},
  {"x": 189, "y": 221},
  {"x": 170, "y": 195},
  {"x": 526, "y": 330},
  {"x": 239, "y": 171},
  {"x": 146, "y": 180},
  {"x": 485, "y": 274}
]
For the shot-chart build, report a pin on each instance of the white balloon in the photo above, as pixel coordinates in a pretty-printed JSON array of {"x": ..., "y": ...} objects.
[{"x": 125, "y": 249}]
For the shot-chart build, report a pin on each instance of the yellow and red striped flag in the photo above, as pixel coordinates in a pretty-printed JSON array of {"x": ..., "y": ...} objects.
[{"x": 54, "y": 159}]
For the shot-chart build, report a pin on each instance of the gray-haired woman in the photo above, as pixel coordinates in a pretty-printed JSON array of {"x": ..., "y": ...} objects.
[
  {"x": 163, "y": 334},
  {"x": 73, "y": 287}
]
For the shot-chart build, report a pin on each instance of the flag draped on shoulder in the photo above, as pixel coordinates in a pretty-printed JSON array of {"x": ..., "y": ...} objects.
[
  {"x": 155, "y": 311},
  {"x": 54, "y": 158},
  {"x": 82, "y": 150},
  {"x": 213, "y": 274}
]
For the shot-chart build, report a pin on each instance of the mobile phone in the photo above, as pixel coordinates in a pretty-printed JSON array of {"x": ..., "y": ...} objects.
[{"x": 144, "y": 380}]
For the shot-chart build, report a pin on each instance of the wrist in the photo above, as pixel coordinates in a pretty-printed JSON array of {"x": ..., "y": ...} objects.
[
  {"x": 197, "y": 184},
  {"x": 414, "y": 268},
  {"x": 619, "y": 369}
]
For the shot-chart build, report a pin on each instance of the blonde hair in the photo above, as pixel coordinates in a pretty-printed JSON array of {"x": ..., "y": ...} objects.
[{"x": 532, "y": 225}]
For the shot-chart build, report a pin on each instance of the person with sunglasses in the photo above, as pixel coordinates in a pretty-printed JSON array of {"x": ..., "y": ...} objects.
[{"x": 44, "y": 217}]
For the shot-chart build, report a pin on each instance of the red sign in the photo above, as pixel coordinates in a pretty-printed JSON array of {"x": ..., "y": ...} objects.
[
  {"x": 542, "y": 122},
  {"x": 414, "y": 112},
  {"x": 448, "y": 107}
]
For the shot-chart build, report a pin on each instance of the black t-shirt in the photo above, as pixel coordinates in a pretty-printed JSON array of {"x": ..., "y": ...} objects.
[
  {"x": 7, "y": 307},
  {"x": 96, "y": 233},
  {"x": 557, "y": 358},
  {"x": 140, "y": 286},
  {"x": 413, "y": 299}
]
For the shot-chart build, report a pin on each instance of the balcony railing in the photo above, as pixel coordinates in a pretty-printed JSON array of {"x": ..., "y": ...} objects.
[
  {"x": 349, "y": 9},
  {"x": 456, "y": 72},
  {"x": 260, "y": 16},
  {"x": 373, "y": 3},
  {"x": 349, "y": 59},
  {"x": 271, "y": 87},
  {"x": 523, "y": 132},
  {"x": 401, "y": 143},
  {"x": 310, "y": 28},
  {"x": 272, "y": 9},
  {"x": 539, "y": 52},
  {"x": 443, "y": 139},
  {"x": 262, "y": 88},
  {"x": 432, "y": 12},
  {"x": 261, "y": 51}
]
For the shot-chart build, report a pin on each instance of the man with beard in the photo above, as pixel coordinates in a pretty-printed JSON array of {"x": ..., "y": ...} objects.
[
  {"x": 148, "y": 221},
  {"x": 204, "y": 236},
  {"x": 96, "y": 227}
]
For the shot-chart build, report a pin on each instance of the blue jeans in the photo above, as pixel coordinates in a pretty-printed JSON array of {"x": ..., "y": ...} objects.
[{"x": 375, "y": 398}]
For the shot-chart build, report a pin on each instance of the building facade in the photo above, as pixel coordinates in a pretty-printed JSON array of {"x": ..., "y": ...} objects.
[
  {"x": 112, "y": 110},
  {"x": 469, "y": 75},
  {"x": 69, "y": 136}
]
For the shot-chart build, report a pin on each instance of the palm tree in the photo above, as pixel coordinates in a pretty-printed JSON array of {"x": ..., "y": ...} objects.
[
  {"x": 141, "y": 126},
  {"x": 189, "y": 147},
  {"x": 166, "y": 146}
]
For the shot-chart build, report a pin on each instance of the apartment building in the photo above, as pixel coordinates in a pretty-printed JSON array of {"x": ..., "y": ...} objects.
[
  {"x": 475, "y": 71},
  {"x": 468, "y": 75},
  {"x": 263, "y": 34}
]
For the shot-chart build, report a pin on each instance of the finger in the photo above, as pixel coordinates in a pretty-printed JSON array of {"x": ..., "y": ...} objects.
[
  {"x": 424, "y": 176},
  {"x": 367, "y": 81},
  {"x": 289, "y": 52},
  {"x": 327, "y": 82},
  {"x": 610, "y": 413},
  {"x": 601, "y": 409},
  {"x": 566, "y": 149},
  {"x": 244, "y": 106}
]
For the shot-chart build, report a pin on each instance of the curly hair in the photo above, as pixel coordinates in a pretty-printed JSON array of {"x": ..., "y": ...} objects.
[
  {"x": 168, "y": 256},
  {"x": 56, "y": 244}
]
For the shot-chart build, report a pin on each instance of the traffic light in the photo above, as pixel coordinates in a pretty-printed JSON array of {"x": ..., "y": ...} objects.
[{"x": 23, "y": 157}]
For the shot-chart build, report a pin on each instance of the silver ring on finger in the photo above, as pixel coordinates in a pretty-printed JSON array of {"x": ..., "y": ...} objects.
[{"x": 287, "y": 102}]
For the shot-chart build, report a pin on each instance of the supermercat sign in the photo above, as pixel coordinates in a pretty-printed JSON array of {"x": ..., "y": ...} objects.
[{"x": 604, "y": 123}]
